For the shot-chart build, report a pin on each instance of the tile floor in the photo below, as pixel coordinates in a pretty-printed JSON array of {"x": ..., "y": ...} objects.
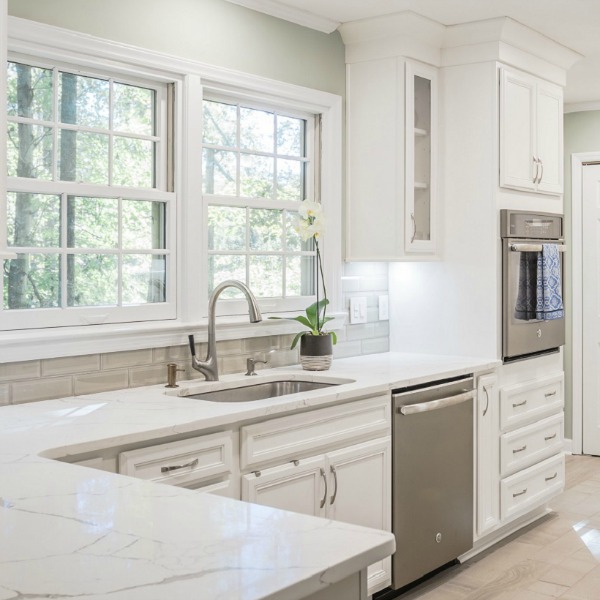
[{"x": 557, "y": 557}]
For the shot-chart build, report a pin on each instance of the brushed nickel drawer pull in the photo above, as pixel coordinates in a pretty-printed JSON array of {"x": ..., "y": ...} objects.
[
  {"x": 177, "y": 467},
  {"x": 520, "y": 449},
  {"x": 550, "y": 437},
  {"x": 296, "y": 462},
  {"x": 487, "y": 400},
  {"x": 520, "y": 404},
  {"x": 550, "y": 394},
  {"x": 551, "y": 478},
  {"x": 332, "y": 499},
  {"x": 520, "y": 493},
  {"x": 325, "y": 494}
]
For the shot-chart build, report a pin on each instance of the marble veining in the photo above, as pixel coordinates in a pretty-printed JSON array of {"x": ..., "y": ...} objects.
[{"x": 73, "y": 532}]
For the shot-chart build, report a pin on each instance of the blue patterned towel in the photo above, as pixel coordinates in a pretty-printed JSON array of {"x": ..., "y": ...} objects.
[
  {"x": 549, "y": 303},
  {"x": 526, "y": 305}
]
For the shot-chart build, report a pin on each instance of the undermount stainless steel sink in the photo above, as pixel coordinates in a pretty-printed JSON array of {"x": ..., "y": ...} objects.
[{"x": 262, "y": 391}]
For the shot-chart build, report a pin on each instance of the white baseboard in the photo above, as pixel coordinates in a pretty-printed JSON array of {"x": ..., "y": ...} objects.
[{"x": 568, "y": 446}]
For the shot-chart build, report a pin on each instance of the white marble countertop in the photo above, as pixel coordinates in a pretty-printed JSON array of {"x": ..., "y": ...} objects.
[{"x": 73, "y": 532}]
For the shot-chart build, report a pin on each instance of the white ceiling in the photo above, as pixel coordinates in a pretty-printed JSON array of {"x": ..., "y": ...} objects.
[{"x": 573, "y": 23}]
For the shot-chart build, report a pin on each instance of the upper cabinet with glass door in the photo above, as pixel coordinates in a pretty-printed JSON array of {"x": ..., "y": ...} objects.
[
  {"x": 421, "y": 136},
  {"x": 391, "y": 153}
]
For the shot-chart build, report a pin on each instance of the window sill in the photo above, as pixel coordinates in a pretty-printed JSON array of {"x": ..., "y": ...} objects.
[{"x": 24, "y": 345}]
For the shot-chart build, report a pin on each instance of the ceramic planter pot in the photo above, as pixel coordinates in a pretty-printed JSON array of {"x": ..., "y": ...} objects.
[{"x": 316, "y": 352}]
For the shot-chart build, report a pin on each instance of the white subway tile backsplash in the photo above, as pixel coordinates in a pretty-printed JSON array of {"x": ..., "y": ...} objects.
[
  {"x": 119, "y": 360},
  {"x": 148, "y": 375},
  {"x": 20, "y": 370},
  {"x": 41, "y": 389},
  {"x": 360, "y": 332},
  {"x": 347, "y": 349},
  {"x": 71, "y": 364},
  {"x": 100, "y": 382},
  {"x": 227, "y": 347},
  {"x": 375, "y": 345},
  {"x": 4, "y": 395}
]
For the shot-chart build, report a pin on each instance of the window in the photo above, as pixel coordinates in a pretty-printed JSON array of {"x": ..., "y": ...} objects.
[
  {"x": 257, "y": 166},
  {"x": 88, "y": 208},
  {"x": 109, "y": 212}
]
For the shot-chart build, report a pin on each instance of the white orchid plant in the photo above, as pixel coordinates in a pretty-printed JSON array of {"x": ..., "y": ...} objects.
[{"x": 311, "y": 225}]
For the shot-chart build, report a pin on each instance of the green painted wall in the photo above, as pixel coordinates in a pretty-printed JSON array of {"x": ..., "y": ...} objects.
[
  {"x": 211, "y": 31},
  {"x": 582, "y": 134}
]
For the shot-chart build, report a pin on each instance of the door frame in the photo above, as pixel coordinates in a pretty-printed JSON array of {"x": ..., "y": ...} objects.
[{"x": 578, "y": 162}]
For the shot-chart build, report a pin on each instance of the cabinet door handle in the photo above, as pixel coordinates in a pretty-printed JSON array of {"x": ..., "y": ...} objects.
[
  {"x": 332, "y": 500},
  {"x": 550, "y": 394},
  {"x": 487, "y": 400},
  {"x": 550, "y": 437},
  {"x": 551, "y": 478},
  {"x": 520, "y": 493},
  {"x": 520, "y": 404},
  {"x": 177, "y": 467},
  {"x": 520, "y": 449},
  {"x": 537, "y": 168},
  {"x": 325, "y": 494},
  {"x": 541, "y": 170},
  {"x": 414, "y": 224}
]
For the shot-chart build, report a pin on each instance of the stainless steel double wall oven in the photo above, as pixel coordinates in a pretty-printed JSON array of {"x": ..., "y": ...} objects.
[{"x": 528, "y": 327}]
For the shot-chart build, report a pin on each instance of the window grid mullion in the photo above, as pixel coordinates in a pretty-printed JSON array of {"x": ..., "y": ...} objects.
[
  {"x": 120, "y": 254},
  {"x": 247, "y": 245},
  {"x": 55, "y": 121},
  {"x": 111, "y": 136},
  {"x": 64, "y": 284}
]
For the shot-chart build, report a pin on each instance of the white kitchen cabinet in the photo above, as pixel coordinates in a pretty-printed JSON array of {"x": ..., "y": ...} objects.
[
  {"x": 391, "y": 165},
  {"x": 531, "y": 133},
  {"x": 487, "y": 425},
  {"x": 344, "y": 481}
]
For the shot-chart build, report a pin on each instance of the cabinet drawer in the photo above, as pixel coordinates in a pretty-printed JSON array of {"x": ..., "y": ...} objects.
[
  {"x": 531, "y": 444},
  {"x": 529, "y": 488},
  {"x": 290, "y": 437},
  {"x": 181, "y": 463},
  {"x": 526, "y": 403}
]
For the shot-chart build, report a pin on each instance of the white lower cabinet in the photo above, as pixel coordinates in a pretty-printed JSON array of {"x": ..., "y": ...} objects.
[
  {"x": 519, "y": 463},
  {"x": 351, "y": 483},
  {"x": 532, "y": 463},
  {"x": 487, "y": 478}
]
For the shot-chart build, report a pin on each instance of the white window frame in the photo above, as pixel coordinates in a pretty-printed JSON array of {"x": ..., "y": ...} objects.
[
  {"x": 275, "y": 305},
  {"x": 56, "y": 44},
  {"x": 20, "y": 319}
]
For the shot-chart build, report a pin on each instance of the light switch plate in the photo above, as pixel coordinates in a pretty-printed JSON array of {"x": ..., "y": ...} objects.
[
  {"x": 384, "y": 308},
  {"x": 358, "y": 310}
]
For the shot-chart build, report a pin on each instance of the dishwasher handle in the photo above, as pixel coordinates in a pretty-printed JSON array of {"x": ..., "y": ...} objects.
[{"x": 430, "y": 405}]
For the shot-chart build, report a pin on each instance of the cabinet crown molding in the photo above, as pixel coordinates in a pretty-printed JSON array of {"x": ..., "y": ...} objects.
[
  {"x": 504, "y": 30},
  {"x": 412, "y": 35}
]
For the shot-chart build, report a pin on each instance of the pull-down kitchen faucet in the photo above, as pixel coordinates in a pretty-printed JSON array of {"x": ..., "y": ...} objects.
[{"x": 209, "y": 367}]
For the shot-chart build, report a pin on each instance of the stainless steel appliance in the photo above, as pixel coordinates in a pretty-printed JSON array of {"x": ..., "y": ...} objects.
[
  {"x": 432, "y": 499},
  {"x": 523, "y": 236}
]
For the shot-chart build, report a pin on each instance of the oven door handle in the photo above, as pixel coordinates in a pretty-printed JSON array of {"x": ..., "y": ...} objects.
[
  {"x": 533, "y": 247},
  {"x": 411, "y": 409}
]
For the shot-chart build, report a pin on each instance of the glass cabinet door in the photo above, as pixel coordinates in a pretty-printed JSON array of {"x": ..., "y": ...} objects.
[{"x": 421, "y": 126}]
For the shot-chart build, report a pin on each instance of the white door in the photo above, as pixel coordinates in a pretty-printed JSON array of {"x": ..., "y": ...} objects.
[
  {"x": 591, "y": 309},
  {"x": 299, "y": 486},
  {"x": 549, "y": 131},
  {"x": 517, "y": 123},
  {"x": 360, "y": 493}
]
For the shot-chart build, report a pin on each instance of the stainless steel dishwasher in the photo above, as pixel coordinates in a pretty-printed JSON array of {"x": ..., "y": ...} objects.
[{"x": 432, "y": 499}]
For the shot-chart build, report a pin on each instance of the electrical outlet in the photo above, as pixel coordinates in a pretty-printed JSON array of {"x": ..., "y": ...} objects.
[
  {"x": 384, "y": 308},
  {"x": 358, "y": 310}
]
